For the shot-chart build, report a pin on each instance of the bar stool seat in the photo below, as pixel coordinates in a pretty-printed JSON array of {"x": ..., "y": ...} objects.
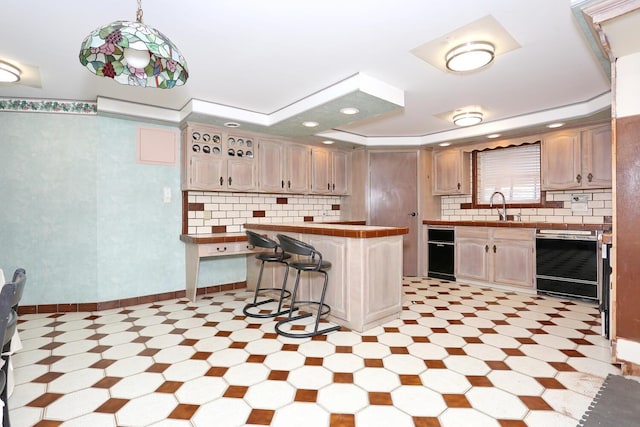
[
  {"x": 279, "y": 256},
  {"x": 312, "y": 263}
]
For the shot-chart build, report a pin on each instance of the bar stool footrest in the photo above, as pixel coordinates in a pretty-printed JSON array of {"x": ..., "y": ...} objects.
[
  {"x": 246, "y": 312},
  {"x": 313, "y": 333}
]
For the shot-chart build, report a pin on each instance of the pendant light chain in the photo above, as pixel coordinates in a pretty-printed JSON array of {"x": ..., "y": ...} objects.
[{"x": 139, "y": 13}]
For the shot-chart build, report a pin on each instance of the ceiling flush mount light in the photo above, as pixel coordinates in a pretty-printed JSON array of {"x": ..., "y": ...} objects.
[
  {"x": 349, "y": 111},
  {"x": 232, "y": 124},
  {"x": 327, "y": 142},
  {"x": 134, "y": 54},
  {"x": 469, "y": 118},
  {"x": 470, "y": 56},
  {"x": 310, "y": 124},
  {"x": 444, "y": 144},
  {"x": 555, "y": 125},
  {"x": 9, "y": 73},
  {"x": 494, "y": 135}
]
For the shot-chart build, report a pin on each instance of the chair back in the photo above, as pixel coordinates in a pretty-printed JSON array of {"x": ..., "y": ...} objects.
[
  {"x": 260, "y": 241},
  {"x": 20, "y": 280},
  {"x": 6, "y": 298},
  {"x": 295, "y": 246}
]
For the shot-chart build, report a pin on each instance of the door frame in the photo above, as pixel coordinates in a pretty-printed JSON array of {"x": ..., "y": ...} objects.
[{"x": 420, "y": 166}]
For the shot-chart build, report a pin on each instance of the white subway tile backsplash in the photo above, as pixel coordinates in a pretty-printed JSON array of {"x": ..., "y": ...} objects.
[
  {"x": 233, "y": 210},
  {"x": 599, "y": 204}
]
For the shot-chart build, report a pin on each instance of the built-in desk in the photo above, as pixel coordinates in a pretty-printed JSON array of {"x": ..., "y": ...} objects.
[
  {"x": 365, "y": 278},
  {"x": 199, "y": 246}
]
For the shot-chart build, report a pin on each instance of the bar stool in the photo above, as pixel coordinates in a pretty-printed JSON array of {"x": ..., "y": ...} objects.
[
  {"x": 278, "y": 255},
  {"x": 314, "y": 262}
]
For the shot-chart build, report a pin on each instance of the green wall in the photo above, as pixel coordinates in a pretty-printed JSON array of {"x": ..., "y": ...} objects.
[{"x": 86, "y": 221}]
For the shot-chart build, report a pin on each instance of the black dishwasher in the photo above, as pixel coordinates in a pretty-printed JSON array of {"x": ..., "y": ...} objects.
[{"x": 441, "y": 253}]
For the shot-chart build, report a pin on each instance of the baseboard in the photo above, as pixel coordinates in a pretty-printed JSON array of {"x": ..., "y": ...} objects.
[{"x": 110, "y": 305}]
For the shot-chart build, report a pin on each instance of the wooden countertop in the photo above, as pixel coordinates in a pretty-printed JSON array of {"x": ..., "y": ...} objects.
[
  {"x": 518, "y": 224},
  {"x": 355, "y": 231}
]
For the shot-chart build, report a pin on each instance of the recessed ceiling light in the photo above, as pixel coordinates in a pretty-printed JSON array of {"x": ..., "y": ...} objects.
[
  {"x": 444, "y": 144},
  {"x": 470, "y": 56},
  {"x": 310, "y": 124},
  {"x": 494, "y": 135},
  {"x": 349, "y": 111},
  {"x": 555, "y": 125},
  {"x": 327, "y": 142},
  {"x": 8, "y": 73},
  {"x": 232, "y": 125},
  {"x": 468, "y": 118}
]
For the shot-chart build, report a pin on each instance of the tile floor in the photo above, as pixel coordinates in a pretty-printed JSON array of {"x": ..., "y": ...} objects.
[{"x": 458, "y": 356}]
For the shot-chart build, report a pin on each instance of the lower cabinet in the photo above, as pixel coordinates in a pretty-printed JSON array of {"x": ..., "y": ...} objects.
[{"x": 498, "y": 255}]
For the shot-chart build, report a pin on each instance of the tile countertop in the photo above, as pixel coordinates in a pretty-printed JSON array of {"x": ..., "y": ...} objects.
[
  {"x": 356, "y": 231},
  {"x": 213, "y": 238},
  {"x": 519, "y": 224}
]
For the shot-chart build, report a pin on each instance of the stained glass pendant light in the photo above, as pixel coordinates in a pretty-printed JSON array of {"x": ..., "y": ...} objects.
[{"x": 134, "y": 54}]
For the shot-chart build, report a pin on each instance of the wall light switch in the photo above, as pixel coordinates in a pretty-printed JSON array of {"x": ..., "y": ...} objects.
[{"x": 167, "y": 194}]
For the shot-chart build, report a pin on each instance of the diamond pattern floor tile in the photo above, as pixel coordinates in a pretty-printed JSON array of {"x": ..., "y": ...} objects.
[{"x": 459, "y": 355}]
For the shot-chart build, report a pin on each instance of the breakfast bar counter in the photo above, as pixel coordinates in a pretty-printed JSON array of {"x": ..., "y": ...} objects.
[{"x": 365, "y": 279}]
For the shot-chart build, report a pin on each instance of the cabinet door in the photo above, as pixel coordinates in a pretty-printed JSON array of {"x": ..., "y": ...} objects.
[
  {"x": 320, "y": 171},
  {"x": 207, "y": 173},
  {"x": 561, "y": 161},
  {"x": 333, "y": 250},
  {"x": 596, "y": 158},
  {"x": 513, "y": 262},
  {"x": 270, "y": 166},
  {"x": 297, "y": 168},
  {"x": 340, "y": 172},
  {"x": 241, "y": 175},
  {"x": 471, "y": 253},
  {"x": 450, "y": 172}
]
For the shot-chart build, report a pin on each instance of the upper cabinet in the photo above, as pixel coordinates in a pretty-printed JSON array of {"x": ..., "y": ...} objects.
[
  {"x": 577, "y": 159},
  {"x": 283, "y": 167},
  {"x": 451, "y": 172},
  {"x": 213, "y": 160},
  {"x": 329, "y": 171}
]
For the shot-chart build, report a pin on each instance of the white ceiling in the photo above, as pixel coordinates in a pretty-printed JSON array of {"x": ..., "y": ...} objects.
[{"x": 263, "y": 56}]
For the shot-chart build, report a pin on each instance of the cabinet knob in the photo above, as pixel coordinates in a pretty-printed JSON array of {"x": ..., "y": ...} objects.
[
  {"x": 579, "y": 178},
  {"x": 289, "y": 184},
  {"x": 459, "y": 186},
  {"x": 282, "y": 184},
  {"x": 413, "y": 214},
  {"x": 590, "y": 177},
  {"x": 328, "y": 186},
  {"x": 486, "y": 248},
  {"x": 494, "y": 249},
  {"x": 229, "y": 180},
  {"x": 221, "y": 181}
]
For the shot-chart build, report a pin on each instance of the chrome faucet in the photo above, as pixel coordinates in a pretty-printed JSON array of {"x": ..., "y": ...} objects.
[{"x": 502, "y": 215}]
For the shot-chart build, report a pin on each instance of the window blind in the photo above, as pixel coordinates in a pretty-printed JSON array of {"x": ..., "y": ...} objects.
[{"x": 514, "y": 171}]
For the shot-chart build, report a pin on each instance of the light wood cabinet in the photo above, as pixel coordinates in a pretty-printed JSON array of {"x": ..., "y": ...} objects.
[
  {"x": 329, "y": 171},
  {"x": 577, "y": 159},
  {"x": 283, "y": 167},
  {"x": 451, "y": 172},
  {"x": 495, "y": 255},
  {"x": 213, "y": 160}
]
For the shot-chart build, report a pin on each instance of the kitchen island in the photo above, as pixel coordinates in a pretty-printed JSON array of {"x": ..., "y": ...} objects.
[{"x": 365, "y": 279}]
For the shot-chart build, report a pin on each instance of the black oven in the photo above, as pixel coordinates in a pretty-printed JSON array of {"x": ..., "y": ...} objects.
[
  {"x": 567, "y": 264},
  {"x": 440, "y": 249}
]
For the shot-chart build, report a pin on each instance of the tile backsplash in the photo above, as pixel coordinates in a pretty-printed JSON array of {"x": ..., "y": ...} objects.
[
  {"x": 596, "y": 209},
  {"x": 221, "y": 212}
]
